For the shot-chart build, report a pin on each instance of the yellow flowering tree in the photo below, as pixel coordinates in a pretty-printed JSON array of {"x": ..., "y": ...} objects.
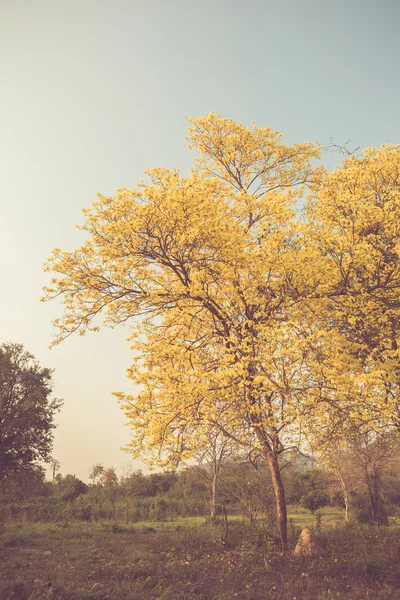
[
  {"x": 244, "y": 319},
  {"x": 200, "y": 264},
  {"x": 354, "y": 228}
]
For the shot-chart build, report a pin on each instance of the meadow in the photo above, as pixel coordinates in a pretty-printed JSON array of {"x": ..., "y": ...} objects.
[{"x": 187, "y": 559}]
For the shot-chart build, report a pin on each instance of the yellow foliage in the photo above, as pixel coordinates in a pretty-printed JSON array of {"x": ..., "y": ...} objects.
[{"x": 244, "y": 317}]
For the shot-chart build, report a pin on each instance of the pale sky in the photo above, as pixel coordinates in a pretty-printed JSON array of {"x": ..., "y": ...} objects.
[{"x": 93, "y": 92}]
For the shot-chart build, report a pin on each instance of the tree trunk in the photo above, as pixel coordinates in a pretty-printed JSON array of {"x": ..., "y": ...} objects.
[
  {"x": 376, "y": 501},
  {"x": 281, "y": 513},
  {"x": 346, "y": 497},
  {"x": 346, "y": 506},
  {"x": 126, "y": 511},
  {"x": 213, "y": 499}
]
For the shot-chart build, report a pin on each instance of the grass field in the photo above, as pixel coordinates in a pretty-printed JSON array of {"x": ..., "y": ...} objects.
[{"x": 186, "y": 560}]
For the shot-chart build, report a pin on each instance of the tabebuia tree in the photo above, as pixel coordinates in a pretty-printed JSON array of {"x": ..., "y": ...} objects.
[
  {"x": 229, "y": 296},
  {"x": 354, "y": 227},
  {"x": 27, "y": 411},
  {"x": 354, "y": 224}
]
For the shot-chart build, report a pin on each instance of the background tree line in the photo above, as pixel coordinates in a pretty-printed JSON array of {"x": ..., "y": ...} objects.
[{"x": 243, "y": 488}]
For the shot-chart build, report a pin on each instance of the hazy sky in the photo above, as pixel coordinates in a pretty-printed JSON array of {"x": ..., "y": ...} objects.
[{"x": 94, "y": 92}]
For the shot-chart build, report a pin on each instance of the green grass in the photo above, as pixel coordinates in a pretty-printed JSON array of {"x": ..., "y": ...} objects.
[
  {"x": 180, "y": 522},
  {"x": 331, "y": 516},
  {"x": 186, "y": 560}
]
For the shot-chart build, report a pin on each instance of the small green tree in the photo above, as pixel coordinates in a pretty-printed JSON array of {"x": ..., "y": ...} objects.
[
  {"x": 313, "y": 500},
  {"x": 313, "y": 485},
  {"x": 250, "y": 487},
  {"x": 26, "y": 410},
  {"x": 109, "y": 477},
  {"x": 96, "y": 473},
  {"x": 70, "y": 487},
  {"x": 132, "y": 486}
]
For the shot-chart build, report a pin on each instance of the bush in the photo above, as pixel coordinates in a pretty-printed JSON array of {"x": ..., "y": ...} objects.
[{"x": 313, "y": 500}]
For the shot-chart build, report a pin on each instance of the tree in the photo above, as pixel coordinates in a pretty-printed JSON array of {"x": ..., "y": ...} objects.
[
  {"x": 109, "y": 477},
  {"x": 70, "y": 487},
  {"x": 55, "y": 466},
  {"x": 96, "y": 473},
  {"x": 205, "y": 260},
  {"x": 373, "y": 452},
  {"x": 361, "y": 459},
  {"x": 26, "y": 410},
  {"x": 353, "y": 232},
  {"x": 132, "y": 486},
  {"x": 237, "y": 307},
  {"x": 24, "y": 484},
  {"x": 249, "y": 485},
  {"x": 337, "y": 459},
  {"x": 210, "y": 459},
  {"x": 313, "y": 485}
]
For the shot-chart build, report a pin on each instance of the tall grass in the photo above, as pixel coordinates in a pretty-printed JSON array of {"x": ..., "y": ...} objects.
[{"x": 172, "y": 561}]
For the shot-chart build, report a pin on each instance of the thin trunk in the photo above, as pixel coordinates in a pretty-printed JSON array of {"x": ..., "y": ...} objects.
[
  {"x": 281, "y": 513},
  {"x": 346, "y": 506},
  {"x": 345, "y": 491},
  {"x": 213, "y": 499},
  {"x": 126, "y": 511}
]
